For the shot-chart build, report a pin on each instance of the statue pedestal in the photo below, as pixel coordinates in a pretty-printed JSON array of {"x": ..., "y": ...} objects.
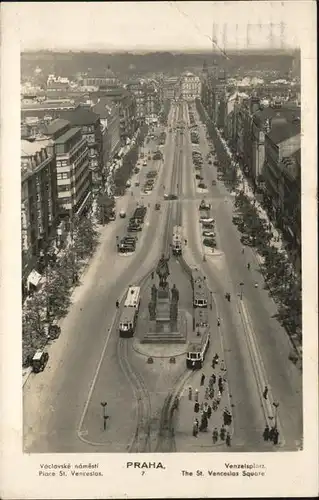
[{"x": 163, "y": 309}]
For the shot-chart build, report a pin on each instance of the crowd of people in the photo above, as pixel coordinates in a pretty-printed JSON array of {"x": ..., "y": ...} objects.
[{"x": 212, "y": 400}]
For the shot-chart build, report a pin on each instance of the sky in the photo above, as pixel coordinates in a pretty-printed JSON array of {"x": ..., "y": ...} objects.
[{"x": 158, "y": 25}]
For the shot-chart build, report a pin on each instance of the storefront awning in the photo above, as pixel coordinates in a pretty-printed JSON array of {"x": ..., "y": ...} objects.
[{"x": 34, "y": 278}]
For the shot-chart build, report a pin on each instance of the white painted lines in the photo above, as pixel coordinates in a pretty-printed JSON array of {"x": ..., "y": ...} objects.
[
  {"x": 270, "y": 411},
  {"x": 79, "y": 430}
]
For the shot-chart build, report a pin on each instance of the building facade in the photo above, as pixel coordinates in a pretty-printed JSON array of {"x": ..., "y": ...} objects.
[
  {"x": 39, "y": 206},
  {"x": 110, "y": 128},
  {"x": 90, "y": 125},
  {"x": 74, "y": 178},
  {"x": 190, "y": 86}
]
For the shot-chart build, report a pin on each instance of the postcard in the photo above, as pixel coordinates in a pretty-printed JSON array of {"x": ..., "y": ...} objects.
[{"x": 158, "y": 263}]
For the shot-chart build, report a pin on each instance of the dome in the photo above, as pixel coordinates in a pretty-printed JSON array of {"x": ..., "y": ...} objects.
[{"x": 109, "y": 73}]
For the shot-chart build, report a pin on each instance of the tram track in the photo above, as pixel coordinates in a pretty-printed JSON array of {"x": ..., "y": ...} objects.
[
  {"x": 166, "y": 436},
  {"x": 141, "y": 439}
]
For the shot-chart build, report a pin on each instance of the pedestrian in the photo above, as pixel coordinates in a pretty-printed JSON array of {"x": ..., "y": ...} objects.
[
  {"x": 212, "y": 393},
  {"x": 219, "y": 397},
  {"x": 205, "y": 407},
  {"x": 215, "y": 435},
  {"x": 190, "y": 393},
  {"x": 215, "y": 405},
  {"x": 248, "y": 266},
  {"x": 152, "y": 275},
  {"x": 222, "y": 365},
  {"x": 228, "y": 440},
  {"x": 214, "y": 378},
  {"x": 117, "y": 304},
  {"x": 201, "y": 407},
  {"x": 196, "y": 407},
  {"x": 243, "y": 250},
  {"x": 256, "y": 285},
  {"x": 195, "y": 427},
  {"x": 196, "y": 394},
  {"x": 265, "y": 393},
  {"x": 222, "y": 433},
  {"x": 271, "y": 434},
  {"x": 207, "y": 393},
  {"x": 202, "y": 380},
  {"x": 218, "y": 322},
  {"x": 220, "y": 381},
  {"x": 209, "y": 411},
  {"x": 276, "y": 436},
  {"x": 204, "y": 423},
  {"x": 266, "y": 433},
  {"x": 213, "y": 363}
]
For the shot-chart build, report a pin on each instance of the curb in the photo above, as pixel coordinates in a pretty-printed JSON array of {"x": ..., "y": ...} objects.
[{"x": 26, "y": 375}]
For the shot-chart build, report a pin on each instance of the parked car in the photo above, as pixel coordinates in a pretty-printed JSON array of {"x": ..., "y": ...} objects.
[
  {"x": 209, "y": 162},
  {"x": 39, "y": 361},
  {"x": 214, "y": 183},
  {"x": 216, "y": 163},
  {"x": 134, "y": 228},
  {"x": 209, "y": 234},
  {"x": 170, "y": 196},
  {"x": 144, "y": 163},
  {"x": 202, "y": 185},
  {"x": 204, "y": 205},
  {"x": 157, "y": 206},
  {"x": 198, "y": 177},
  {"x": 209, "y": 242},
  {"x": 137, "y": 183}
]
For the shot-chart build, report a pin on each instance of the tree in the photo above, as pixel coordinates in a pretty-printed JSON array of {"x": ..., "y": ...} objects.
[
  {"x": 85, "y": 238},
  {"x": 33, "y": 330},
  {"x": 105, "y": 207},
  {"x": 57, "y": 288}
]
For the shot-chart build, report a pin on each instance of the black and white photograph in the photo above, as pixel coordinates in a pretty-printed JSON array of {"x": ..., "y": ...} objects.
[{"x": 162, "y": 273}]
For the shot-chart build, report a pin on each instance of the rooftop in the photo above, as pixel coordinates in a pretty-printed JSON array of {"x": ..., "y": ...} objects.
[
  {"x": 282, "y": 130},
  {"x": 286, "y": 113},
  {"x": 81, "y": 116},
  {"x": 47, "y": 105},
  {"x": 68, "y": 135},
  {"x": 30, "y": 148},
  {"x": 56, "y": 125},
  {"x": 104, "y": 107}
]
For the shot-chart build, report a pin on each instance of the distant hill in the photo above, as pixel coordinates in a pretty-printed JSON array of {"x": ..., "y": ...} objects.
[{"x": 69, "y": 63}]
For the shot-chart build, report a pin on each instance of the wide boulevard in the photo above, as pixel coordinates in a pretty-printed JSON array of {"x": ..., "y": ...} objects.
[{"x": 62, "y": 402}]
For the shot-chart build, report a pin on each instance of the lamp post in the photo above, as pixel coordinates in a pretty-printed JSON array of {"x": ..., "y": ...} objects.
[
  {"x": 241, "y": 284},
  {"x": 105, "y": 417},
  {"x": 276, "y": 405}
]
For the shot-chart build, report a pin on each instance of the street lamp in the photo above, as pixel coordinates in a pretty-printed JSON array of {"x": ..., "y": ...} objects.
[
  {"x": 276, "y": 413},
  {"x": 241, "y": 284},
  {"x": 105, "y": 417}
]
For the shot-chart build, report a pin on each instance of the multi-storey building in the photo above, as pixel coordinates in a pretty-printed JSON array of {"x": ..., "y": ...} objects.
[
  {"x": 90, "y": 125},
  {"x": 138, "y": 90},
  {"x": 170, "y": 88},
  {"x": 110, "y": 128},
  {"x": 190, "y": 86},
  {"x": 74, "y": 178},
  {"x": 127, "y": 110},
  {"x": 46, "y": 108},
  {"x": 282, "y": 140},
  {"x": 109, "y": 79},
  {"x": 39, "y": 208}
]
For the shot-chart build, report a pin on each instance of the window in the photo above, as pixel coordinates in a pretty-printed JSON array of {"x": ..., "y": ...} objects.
[
  {"x": 64, "y": 163},
  {"x": 66, "y": 187},
  {"x": 58, "y": 164}
]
